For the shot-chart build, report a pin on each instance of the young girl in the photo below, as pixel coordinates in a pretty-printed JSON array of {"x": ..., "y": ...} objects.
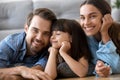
[
  {"x": 69, "y": 54},
  {"x": 103, "y": 35}
]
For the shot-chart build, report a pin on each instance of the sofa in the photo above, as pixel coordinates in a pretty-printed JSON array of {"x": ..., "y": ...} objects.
[{"x": 13, "y": 13}]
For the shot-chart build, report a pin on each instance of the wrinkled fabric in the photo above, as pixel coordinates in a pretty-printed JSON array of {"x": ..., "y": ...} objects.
[
  {"x": 109, "y": 52},
  {"x": 13, "y": 52}
]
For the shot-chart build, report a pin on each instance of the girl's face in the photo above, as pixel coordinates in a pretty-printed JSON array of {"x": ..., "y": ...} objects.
[
  {"x": 90, "y": 19},
  {"x": 58, "y": 37}
]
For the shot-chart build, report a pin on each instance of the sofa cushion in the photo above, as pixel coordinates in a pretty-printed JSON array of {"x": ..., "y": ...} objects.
[
  {"x": 4, "y": 33},
  {"x": 62, "y": 8},
  {"x": 13, "y": 14}
]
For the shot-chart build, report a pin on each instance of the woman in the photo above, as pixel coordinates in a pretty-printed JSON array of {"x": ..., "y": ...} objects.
[
  {"x": 69, "y": 55},
  {"x": 103, "y": 35}
]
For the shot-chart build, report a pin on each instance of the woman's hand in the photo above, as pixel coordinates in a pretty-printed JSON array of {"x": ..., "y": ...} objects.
[
  {"x": 102, "y": 70},
  {"x": 107, "y": 22}
]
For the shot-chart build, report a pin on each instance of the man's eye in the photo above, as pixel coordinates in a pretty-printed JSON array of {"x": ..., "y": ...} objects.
[
  {"x": 47, "y": 34},
  {"x": 35, "y": 30}
]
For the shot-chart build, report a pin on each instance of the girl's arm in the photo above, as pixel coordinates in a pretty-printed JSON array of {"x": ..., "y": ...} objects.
[
  {"x": 51, "y": 66},
  {"x": 80, "y": 67}
]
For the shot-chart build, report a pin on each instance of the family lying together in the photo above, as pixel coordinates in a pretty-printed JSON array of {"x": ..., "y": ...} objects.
[{"x": 51, "y": 48}]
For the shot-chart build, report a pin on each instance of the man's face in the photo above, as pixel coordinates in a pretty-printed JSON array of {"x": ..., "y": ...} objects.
[{"x": 37, "y": 34}]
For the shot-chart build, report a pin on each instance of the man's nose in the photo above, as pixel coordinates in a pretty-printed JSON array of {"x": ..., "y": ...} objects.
[{"x": 39, "y": 36}]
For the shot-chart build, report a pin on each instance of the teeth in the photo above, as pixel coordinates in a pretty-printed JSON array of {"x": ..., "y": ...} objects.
[
  {"x": 36, "y": 43},
  {"x": 89, "y": 28}
]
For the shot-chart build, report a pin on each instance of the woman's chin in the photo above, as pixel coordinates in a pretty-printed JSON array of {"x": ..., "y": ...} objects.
[{"x": 89, "y": 34}]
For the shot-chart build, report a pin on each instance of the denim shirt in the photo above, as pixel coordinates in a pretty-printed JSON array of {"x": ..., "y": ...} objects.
[
  {"x": 13, "y": 52},
  {"x": 105, "y": 52}
]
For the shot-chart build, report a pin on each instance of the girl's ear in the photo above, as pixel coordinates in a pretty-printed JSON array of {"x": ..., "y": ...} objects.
[{"x": 26, "y": 28}]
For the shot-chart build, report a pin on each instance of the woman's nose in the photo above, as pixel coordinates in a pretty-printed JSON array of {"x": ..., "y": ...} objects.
[{"x": 86, "y": 21}]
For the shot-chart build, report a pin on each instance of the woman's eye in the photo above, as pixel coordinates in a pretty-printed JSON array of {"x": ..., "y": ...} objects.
[
  {"x": 82, "y": 18},
  {"x": 93, "y": 16}
]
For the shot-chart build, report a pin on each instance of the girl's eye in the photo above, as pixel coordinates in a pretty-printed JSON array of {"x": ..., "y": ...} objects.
[{"x": 57, "y": 33}]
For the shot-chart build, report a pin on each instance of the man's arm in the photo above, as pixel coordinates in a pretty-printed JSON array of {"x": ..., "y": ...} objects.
[
  {"x": 11, "y": 77},
  {"x": 38, "y": 67},
  {"x": 25, "y": 72}
]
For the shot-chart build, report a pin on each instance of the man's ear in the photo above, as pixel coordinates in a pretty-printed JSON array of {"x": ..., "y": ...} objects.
[{"x": 26, "y": 28}]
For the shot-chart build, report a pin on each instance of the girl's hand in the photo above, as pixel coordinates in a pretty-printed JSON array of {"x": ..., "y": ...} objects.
[
  {"x": 65, "y": 47},
  {"x": 53, "y": 50}
]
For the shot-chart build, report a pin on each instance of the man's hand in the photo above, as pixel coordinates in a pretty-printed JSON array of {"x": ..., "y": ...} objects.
[
  {"x": 10, "y": 77},
  {"x": 102, "y": 70},
  {"x": 34, "y": 74}
]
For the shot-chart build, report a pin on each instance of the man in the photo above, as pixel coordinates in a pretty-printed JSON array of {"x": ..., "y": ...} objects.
[{"x": 24, "y": 55}]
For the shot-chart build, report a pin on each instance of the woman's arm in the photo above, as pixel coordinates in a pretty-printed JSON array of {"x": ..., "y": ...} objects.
[
  {"x": 107, "y": 22},
  {"x": 107, "y": 53},
  {"x": 107, "y": 49}
]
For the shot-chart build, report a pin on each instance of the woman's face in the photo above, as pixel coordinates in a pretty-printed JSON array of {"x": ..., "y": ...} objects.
[
  {"x": 90, "y": 19},
  {"x": 58, "y": 37}
]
